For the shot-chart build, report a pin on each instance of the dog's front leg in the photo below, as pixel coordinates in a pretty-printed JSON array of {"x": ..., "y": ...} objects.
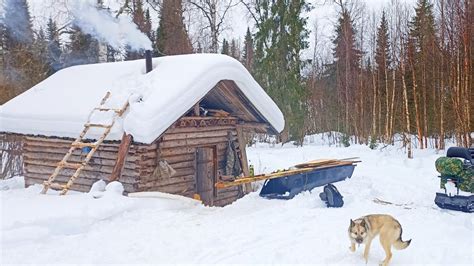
[
  {"x": 367, "y": 249},
  {"x": 352, "y": 247}
]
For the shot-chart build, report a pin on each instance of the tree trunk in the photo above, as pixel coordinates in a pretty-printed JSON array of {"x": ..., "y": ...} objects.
[{"x": 417, "y": 113}]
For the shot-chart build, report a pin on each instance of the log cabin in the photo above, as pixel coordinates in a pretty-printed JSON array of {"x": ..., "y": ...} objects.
[{"x": 183, "y": 129}]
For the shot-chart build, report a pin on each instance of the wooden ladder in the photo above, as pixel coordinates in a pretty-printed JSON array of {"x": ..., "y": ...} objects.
[{"x": 79, "y": 144}]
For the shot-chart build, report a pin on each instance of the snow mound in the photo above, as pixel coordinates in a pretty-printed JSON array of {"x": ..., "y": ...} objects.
[
  {"x": 15, "y": 182},
  {"x": 114, "y": 188}
]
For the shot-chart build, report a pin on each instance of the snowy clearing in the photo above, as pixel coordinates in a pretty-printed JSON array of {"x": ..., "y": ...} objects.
[{"x": 79, "y": 228}]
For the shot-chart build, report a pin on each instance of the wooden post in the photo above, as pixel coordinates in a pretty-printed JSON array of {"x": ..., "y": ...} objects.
[
  {"x": 243, "y": 156},
  {"x": 121, "y": 156},
  {"x": 196, "y": 109}
]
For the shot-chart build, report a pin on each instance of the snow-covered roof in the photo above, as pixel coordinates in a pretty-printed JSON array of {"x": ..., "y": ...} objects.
[{"x": 60, "y": 105}]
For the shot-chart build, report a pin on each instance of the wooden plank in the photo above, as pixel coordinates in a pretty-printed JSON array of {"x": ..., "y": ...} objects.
[
  {"x": 254, "y": 126},
  {"x": 249, "y": 179},
  {"x": 315, "y": 163},
  {"x": 58, "y": 154},
  {"x": 193, "y": 142},
  {"x": 122, "y": 154},
  {"x": 49, "y": 168},
  {"x": 177, "y": 151},
  {"x": 243, "y": 156},
  {"x": 168, "y": 181},
  {"x": 199, "y": 129},
  {"x": 179, "y": 158},
  {"x": 205, "y": 175},
  {"x": 196, "y": 109},
  {"x": 177, "y": 188},
  {"x": 193, "y": 135},
  {"x": 39, "y": 158},
  {"x": 107, "y": 143}
]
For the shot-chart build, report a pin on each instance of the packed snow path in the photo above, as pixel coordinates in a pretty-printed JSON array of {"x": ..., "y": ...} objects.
[{"x": 78, "y": 228}]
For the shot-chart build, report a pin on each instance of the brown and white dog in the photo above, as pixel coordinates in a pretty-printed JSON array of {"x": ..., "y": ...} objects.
[{"x": 366, "y": 228}]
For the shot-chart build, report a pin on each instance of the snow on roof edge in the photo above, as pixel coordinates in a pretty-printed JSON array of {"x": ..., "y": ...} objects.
[{"x": 172, "y": 88}]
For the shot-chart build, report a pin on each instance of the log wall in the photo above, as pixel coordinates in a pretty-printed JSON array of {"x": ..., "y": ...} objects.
[
  {"x": 41, "y": 156},
  {"x": 177, "y": 146}
]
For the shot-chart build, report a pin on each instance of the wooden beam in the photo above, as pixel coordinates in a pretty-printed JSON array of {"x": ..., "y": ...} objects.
[
  {"x": 196, "y": 109},
  {"x": 121, "y": 156},
  {"x": 243, "y": 156},
  {"x": 254, "y": 126}
]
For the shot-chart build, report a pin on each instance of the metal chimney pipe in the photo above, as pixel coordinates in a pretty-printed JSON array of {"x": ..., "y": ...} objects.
[{"x": 148, "y": 62}]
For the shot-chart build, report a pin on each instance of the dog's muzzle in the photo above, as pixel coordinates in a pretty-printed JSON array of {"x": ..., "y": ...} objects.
[{"x": 359, "y": 240}]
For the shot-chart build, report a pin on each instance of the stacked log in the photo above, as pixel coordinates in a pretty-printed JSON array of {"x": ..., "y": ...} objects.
[
  {"x": 177, "y": 146},
  {"x": 41, "y": 156}
]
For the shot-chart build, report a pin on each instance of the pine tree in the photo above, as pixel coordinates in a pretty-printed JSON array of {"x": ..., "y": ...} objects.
[
  {"x": 225, "y": 47},
  {"x": 280, "y": 37},
  {"x": 172, "y": 37},
  {"x": 248, "y": 51},
  {"x": 54, "y": 46}
]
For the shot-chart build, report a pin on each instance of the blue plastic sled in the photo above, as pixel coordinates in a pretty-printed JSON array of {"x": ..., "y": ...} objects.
[{"x": 288, "y": 187}]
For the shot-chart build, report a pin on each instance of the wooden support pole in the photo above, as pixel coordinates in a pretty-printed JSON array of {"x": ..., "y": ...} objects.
[
  {"x": 196, "y": 109},
  {"x": 243, "y": 156},
  {"x": 121, "y": 156}
]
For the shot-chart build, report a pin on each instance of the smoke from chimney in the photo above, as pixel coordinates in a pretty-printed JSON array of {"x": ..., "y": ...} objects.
[{"x": 116, "y": 32}]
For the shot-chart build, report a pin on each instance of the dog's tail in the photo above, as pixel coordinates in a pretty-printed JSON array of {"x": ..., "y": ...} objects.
[{"x": 400, "y": 244}]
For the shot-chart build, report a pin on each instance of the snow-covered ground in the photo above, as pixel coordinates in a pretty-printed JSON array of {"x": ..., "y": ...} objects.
[{"x": 79, "y": 228}]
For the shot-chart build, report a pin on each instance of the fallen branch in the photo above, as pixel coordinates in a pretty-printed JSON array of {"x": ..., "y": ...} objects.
[{"x": 383, "y": 202}]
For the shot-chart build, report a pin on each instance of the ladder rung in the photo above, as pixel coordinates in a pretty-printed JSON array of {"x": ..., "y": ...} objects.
[
  {"x": 70, "y": 165},
  {"x": 97, "y": 125},
  {"x": 103, "y": 109},
  {"x": 83, "y": 144},
  {"x": 56, "y": 186}
]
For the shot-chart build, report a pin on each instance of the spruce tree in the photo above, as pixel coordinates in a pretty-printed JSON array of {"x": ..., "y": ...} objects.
[
  {"x": 225, "y": 47},
  {"x": 280, "y": 38},
  {"x": 382, "y": 53},
  {"x": 383, "y": 61},
  {"x": 18, "y": 40},
  {"x": 17, "y": 21},
  {"x": 345, "y": 70},
  {"x": 82, "y": 49},
  {"x": 172, "y": 37},
  {"x": 54, "y": 46},
  {"x": 234, "y": 49},
  {"x": 248, "y": 53},
  {"x": 424, "y": 50},
  {"x": 138, "y": 17}
]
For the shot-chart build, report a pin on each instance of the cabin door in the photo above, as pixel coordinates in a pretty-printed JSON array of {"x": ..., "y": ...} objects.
[{"x": 206, "y": 174}]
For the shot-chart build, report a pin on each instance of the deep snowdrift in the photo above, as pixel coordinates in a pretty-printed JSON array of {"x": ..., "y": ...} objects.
[{"x": 113, "y": 229}]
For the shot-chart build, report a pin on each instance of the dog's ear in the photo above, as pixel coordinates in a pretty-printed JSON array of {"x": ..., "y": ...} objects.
[
  {"x": 362, "y": 223},
  {"x": 352, "y": 223}
]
